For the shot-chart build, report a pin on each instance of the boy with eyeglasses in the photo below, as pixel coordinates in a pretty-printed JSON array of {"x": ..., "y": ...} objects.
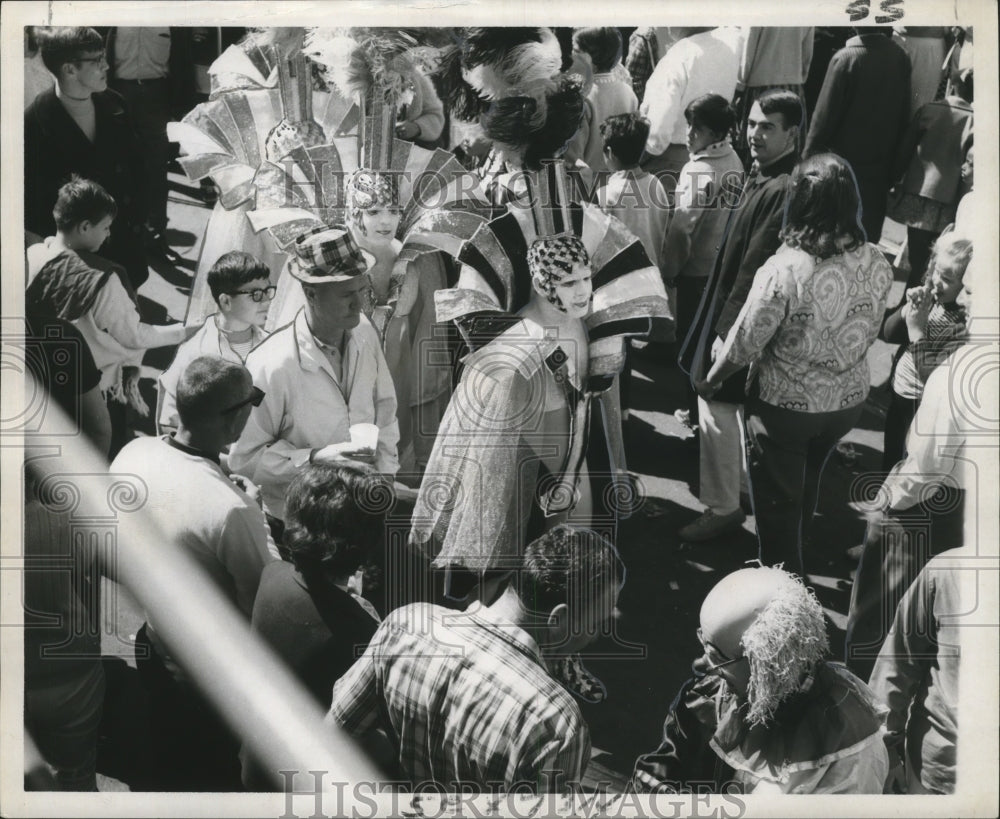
[{"x": 243, "y": 292}]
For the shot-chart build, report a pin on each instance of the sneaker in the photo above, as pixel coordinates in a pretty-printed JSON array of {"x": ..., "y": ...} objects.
[
  {"x": 576, "y": 679},
  {"x": 711, "y": 525}
]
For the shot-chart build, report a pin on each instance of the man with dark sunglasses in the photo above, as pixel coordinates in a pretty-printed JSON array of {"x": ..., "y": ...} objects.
[
  {"x": 765, "y": 713},
  {"x": 202, "y": 510}
]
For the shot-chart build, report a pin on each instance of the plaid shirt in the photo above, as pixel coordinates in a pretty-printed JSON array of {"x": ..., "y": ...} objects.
[{"x": 468, "y": 698}]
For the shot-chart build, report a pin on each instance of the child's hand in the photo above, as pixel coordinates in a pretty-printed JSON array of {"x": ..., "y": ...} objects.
[{"x": 915, "y": 311}]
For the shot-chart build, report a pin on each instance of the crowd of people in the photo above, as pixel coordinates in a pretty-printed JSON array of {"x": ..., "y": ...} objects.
[{"x": 378, "y": 322}]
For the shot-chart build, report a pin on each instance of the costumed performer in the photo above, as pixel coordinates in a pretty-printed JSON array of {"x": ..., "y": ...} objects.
[
  {"x": 532, "y": 436},
  {"x": 410, "y": 208}
]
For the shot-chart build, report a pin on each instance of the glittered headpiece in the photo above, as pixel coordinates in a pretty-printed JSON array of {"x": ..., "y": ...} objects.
[{"x": 366, "y": 188}]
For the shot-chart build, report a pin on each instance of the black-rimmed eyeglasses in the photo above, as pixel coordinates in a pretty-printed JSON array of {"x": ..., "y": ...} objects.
[
  {"x": 258, "y": 294},
  {"x": 710, "y": 647},
  {"x": 255, "y": 397},
  {"x": 98, "y": 59}
]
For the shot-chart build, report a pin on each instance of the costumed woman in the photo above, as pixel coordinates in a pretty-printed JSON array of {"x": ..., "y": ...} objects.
[
  {"x": 532, "y": 436},
  {"x": 409, "y": 207}
]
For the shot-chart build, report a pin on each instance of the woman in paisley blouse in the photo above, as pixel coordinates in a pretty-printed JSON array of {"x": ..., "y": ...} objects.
[{"x": 807, "y": 324}]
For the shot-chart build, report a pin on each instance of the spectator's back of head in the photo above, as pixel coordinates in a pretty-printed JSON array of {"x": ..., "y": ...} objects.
[
  {"x": 713, "y": 112},
  {"x": 335, "y": 518},
  {"x": 602, "y": 45},
  {"x": 571, "y": 566},
  {"x": 822, "y": 214},
  {"x": 60, "y": 45},
  {"x": 81, "y": 200},
  {"x": 234, "y": 270},
  {"x": 624, "y": 136},
  {"x": 207, "y": 388},
  {"x": 786, "y": 103}
]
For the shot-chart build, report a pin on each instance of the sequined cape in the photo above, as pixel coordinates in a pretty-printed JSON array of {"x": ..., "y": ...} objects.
[{"x": 477, "y": 505}]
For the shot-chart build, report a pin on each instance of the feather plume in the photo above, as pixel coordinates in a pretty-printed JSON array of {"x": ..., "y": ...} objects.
[
  {"x": 363, "y": 60},
  {"x": 522, "y": 65},
  {"x": 462, "y": 99}
]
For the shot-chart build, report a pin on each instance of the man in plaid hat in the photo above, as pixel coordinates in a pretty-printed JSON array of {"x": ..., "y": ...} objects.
[{"x": 321, "y": 374}]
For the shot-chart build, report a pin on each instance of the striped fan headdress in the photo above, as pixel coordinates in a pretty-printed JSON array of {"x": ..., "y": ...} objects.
[{"x": 495, "y": 282}]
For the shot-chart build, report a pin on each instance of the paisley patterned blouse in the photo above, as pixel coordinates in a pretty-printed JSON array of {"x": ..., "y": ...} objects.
[{"x": 808, "y": 324}]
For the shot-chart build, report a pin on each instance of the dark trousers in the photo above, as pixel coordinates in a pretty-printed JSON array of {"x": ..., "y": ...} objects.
[
  {"x": 898, "y": 418},
  {"x": 918, "y": 244},
  {"x": 149, "y": 104},
  {"x": 193, "y": 748},
  {"x": 895, "y": 550},
  {"x": 786, "y": 453},
  {"x": 689, "y": 293}
]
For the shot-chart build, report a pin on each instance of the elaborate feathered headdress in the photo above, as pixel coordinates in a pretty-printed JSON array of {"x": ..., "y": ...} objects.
[
  {"x": 375, "y": 67},
  {"x": 510, "y": 80}
]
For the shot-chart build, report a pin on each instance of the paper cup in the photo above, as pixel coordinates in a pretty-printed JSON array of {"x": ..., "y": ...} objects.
[{"x": 364, "y": 436}]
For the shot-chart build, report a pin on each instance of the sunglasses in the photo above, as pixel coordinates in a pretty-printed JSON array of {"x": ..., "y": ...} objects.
[
  {"x": 255, "y": 397},
  {"x": 257, "y": 294},
  {"x": 710, "y": 647}
]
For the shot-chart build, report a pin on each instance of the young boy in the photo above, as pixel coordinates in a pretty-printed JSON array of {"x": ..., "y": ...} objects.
[
  {"x": 609, "y": 96},
  {"x": 707, "y": 189},
  {"x": 634, "y": 196},
  {"x": 67, "y": 279},
  {"x": 242, "y": 289}
]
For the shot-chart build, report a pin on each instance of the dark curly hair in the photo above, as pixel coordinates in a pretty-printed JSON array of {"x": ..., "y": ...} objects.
[
  {"x": 567, "y": 564},
  {"x": 507, "y": 121},
  {"x": 334, "y": 518},
  {"x": 625, "y": 136},
  {"x": 823, "y": 215}
]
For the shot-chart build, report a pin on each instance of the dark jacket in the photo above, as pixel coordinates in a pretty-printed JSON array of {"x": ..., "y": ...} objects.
[
  {"x": 931, "y": 155},
  {"x": 861, "y": 114},
  {"x": 831, "y": 716},
  {"x": 55, "y": 147},
  {"x": 751, "y": 239},
  {"x": 317, "y": 629}
]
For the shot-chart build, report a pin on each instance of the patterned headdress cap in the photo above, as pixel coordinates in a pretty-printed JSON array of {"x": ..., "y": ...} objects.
[{"x": 551, "y": 258}]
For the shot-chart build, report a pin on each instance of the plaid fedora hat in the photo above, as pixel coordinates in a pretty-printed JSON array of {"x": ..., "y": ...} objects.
[{"x": 328, "y": 254}]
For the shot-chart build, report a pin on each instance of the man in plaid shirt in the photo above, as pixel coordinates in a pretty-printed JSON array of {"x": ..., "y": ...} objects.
[{"x": 466, "y": 698}]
